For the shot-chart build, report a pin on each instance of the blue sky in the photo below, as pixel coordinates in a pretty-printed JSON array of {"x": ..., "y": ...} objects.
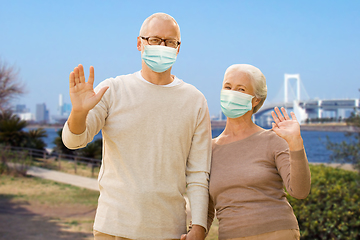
[{"x": 319, "y": 40}]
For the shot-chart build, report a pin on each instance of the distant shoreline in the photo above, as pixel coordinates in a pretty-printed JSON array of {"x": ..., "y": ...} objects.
[
  {"x": 35, "y": 126},
  {"x": 327, "y": 127}
]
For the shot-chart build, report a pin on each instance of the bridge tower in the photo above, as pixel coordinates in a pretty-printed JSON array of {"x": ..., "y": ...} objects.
[
  {"x": 300, "y": 113},
  {"x": 286, "y": 81}
]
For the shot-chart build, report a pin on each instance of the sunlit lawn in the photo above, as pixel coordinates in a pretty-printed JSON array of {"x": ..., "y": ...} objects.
[{"x": 68, "y": 166}]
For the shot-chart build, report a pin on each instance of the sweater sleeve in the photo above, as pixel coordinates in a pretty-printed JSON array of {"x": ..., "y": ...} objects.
[
  {"x": 211, "y": 213},
  {"x": 95, "y": 120},
  {"x": 198, "y": 168},
  {"x": 294, "y": 169}
]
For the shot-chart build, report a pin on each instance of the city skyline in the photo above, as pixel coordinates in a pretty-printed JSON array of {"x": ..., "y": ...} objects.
[
  {"x": 42, "y": 112},
  {"x": 319, "y": 40}
]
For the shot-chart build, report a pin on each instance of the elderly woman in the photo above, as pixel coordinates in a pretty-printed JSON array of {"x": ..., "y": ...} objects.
[{"x": 251, "y": 165}]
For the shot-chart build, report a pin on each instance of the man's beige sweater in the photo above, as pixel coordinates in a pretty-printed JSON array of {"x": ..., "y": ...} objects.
[
  {"x": 156, "y": 147},
  {"x": 247, "y": 185}
]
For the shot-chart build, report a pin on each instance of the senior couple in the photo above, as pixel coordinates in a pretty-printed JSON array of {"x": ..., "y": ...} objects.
[{"x": 157, "y": 146}]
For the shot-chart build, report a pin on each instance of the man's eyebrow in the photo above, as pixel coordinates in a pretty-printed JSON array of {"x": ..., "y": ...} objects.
[{"x": 161, "y": 37}]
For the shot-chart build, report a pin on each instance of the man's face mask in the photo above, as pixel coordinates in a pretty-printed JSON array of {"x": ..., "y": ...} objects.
[
  {"x": 234, "y": 104},
  {"x": 159, "y": 58}
]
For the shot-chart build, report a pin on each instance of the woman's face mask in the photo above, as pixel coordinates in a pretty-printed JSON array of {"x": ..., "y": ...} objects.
[{"x": 234, "y": 104}]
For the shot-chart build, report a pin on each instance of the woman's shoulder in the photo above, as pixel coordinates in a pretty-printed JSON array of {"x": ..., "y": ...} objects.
[
  {"x": 213, "y": 143},
  {"x": 269, "y": 133},
  {"x": 274, "y": 140}
]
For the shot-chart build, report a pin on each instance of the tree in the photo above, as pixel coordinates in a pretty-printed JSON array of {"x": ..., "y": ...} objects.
[
  {"x": 11, "y": 129},
  {"x": 10, "y": 86},
  {"x": 92, "y": 149},
  {"x": 347, "y": 151},
  {"x": 60, "y": 148},
  {"x": 12, "y": 132},
  {"x": 34, "y": 139}
]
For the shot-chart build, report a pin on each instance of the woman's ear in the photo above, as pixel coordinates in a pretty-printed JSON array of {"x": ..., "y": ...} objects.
[{"x": 255, "y": 102}]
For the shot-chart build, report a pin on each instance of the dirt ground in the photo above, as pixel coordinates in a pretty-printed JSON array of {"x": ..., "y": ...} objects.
[{"x": 26, "y": 221}]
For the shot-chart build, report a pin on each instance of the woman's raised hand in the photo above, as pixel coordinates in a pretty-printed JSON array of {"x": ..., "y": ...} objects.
[
  {"x": 287, "y": 128},
  {"x": 82, "y": 94}
]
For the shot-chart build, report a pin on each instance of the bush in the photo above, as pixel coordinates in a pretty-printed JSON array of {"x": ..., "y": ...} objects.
[
  {"x": 92, "y": 149},
  {"x": 13, "y": 162},
  {"x": 347, "y": 151},
  {"x": 332, "y": 210}
]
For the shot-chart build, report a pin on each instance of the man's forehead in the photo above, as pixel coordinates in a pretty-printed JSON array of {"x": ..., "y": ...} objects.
[
  {"x": 161, "y": 25},
  {"x": 155, "y": 23}
]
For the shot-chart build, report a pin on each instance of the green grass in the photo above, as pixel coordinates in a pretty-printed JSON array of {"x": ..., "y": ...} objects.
[
  {"x": 213, "y": 233},
  {"x": 45, "y": 191}
]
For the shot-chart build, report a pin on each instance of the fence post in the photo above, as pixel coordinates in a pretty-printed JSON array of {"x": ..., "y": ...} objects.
[{"x": 59, "y": 160}]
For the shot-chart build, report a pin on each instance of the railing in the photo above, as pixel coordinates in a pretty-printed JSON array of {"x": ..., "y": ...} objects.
[{"x": 43, "y": 155}]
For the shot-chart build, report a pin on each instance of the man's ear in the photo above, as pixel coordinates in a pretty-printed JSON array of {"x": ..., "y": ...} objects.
[
  {"x": 178, "y": 50},
  {"x": 139, "y": 43}
]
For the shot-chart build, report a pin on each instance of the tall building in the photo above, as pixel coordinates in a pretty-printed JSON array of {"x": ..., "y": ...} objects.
[
  {"x": 23, "y": 113},
  {"x": 42, "y": 114},
  {"x": 21, "y": 108},
  {"x": 61, "y": 104},
  {"x": 64, "y": 109}
]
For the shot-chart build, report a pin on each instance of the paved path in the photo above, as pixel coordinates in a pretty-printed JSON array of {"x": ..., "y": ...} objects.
[{"x": 79, "y": 181}]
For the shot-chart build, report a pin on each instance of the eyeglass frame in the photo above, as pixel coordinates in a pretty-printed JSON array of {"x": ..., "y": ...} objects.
[{"x": 162, "y": 40}]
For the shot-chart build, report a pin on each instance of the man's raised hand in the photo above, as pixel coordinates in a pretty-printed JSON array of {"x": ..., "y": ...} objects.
[{"x": 82, "y": 94}]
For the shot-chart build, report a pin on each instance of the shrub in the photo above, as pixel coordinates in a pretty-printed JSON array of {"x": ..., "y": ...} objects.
[
  {"x": 92, "y": 149},
  {"x": 347, "y": 151},
  {"x": 332, "y": 210},
  {"x": 14, "y": 163}
]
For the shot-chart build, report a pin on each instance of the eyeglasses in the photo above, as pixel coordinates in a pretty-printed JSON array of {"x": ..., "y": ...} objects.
[{"x": 157, "y": 41}]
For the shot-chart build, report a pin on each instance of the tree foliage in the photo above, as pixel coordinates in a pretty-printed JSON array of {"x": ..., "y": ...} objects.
[
  {"x": 60, "y": 147},
  {"x": 12, "y": 132},
  {"x": 347, "y": 151},
  {"x": 11, "y": 129},
  {"x": 92, "y": 149},
  {"x": 10, "y": 86},
  {"x": 34, "y": 139}
]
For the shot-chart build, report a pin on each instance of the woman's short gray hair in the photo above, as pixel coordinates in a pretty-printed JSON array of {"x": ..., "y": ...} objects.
[
  {"x": 164, "y": 16},
  {"x": 258, "y": 81}
]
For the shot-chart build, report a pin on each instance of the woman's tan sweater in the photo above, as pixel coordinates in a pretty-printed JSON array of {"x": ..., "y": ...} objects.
[{"x": 247, "y": 185}]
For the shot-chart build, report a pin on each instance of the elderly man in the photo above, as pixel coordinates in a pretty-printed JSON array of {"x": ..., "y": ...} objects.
[{"x": 157, "y": 142}]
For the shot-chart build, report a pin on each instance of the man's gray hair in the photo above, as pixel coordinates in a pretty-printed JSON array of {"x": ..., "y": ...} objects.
[
  {"x": 258, "y": 81},
  {"x": 164, "y": 16}
]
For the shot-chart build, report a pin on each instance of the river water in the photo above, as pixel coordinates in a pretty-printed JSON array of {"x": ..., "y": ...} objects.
[{"x": 314, "y": 142}]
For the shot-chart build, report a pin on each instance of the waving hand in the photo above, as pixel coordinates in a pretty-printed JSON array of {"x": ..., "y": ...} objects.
[
  {"x": 287, "y": 128},
  {"x": 82, "y": 95}
]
